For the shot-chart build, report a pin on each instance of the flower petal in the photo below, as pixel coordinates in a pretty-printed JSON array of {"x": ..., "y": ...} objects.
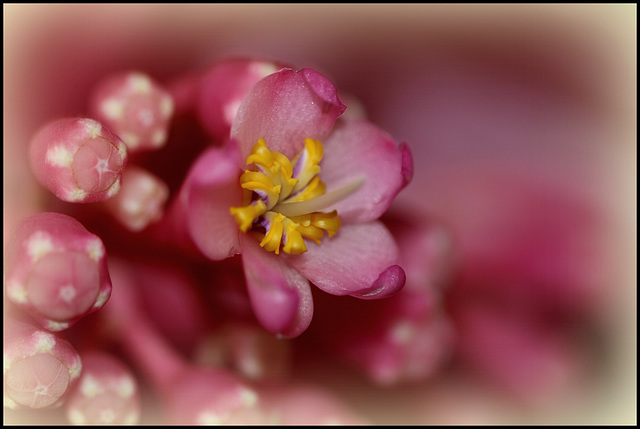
[
  {"x": 284, "y": 108},
  {"x": 280, "y": 296},
  {"x": 210, "y": 189},
  {"x": 360, "y": 260},
  {"x": 358, "y": 149}
]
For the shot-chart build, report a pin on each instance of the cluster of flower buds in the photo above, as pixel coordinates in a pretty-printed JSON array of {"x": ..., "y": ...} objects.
[
  {"x": 193, "y": 218},
  {"x": 210, "y": 238}
]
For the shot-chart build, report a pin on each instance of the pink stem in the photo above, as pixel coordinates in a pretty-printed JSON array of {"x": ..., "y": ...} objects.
[
  {"x": 154, "y": 355},
  {"x": 78, "y": 159},
  {"x": 56, "y": 270},
  {"x": 189, "y": 394}
]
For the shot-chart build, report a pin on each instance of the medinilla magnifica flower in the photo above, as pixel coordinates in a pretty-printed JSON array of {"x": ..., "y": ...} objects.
[{"x": 297, "y": 192}]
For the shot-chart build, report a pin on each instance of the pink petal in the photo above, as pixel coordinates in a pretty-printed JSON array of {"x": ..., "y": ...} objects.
[
  {"x": 280, "y": 296},
  {"x": 360, "y": 260},
  {"x": 358, "y": 149},
  {"x": 284, "y": 108},
  {"x": 210, "y": 189}
]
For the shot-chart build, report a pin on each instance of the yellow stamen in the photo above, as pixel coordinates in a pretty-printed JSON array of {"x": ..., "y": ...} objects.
[
  {"x": 272, "y": 238},
  {"x": 288, "y": 207},
  {"x": 246, "y": 215}
]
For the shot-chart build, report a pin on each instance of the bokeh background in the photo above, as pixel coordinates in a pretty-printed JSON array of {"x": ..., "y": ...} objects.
[{"x": 547, "y": 91}]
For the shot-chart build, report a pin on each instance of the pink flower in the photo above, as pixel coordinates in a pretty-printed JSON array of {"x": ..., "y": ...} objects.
[{"x": 306, "y": 173}]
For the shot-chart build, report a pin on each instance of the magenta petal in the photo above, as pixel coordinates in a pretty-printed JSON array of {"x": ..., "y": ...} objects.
[
  {"x": 389, "y": 282},
  {"x": 210, "y": 189},
  {"x": 280, "y": 296},
  {"x": 357, "y": 261},
  {"x": 358, "y": 149},
  {"x": 284, "y": 108}
]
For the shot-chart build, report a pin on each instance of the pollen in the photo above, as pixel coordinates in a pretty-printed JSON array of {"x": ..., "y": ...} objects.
[{"x": 275, "y": 189}]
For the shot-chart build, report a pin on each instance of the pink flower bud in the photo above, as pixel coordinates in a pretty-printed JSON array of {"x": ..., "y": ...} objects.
[
  {"x": 78, "y": 159},
  {"x": 299, "y": 404},
  {"x": 248, "y": 350},
  {"x": 40, "y": 368},
  {"x": 135, "y": 107},
  {"x": 107, "y": 392},
  {"x": 56, "y": 270},
  {"x": 141, "y": 200},
  {"x": 223, "y": 87}
]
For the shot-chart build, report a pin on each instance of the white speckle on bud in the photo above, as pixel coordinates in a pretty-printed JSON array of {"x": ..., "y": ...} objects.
[
  {"x": 52, "y": 325},
  {"x": 10, "y": 403},
  {"x": 130, "y": 139},
  {"x": 112, "y": 108},
  {"x": 76, "y": 417},
  {"x": 17, "y": 292},
  {"x": 38, "y": 245},
  {"x": 101, "y": 299},
  {"x": 44, "y": 341},
  {"x": 6, "y": 363},
  {"x": 126, "y": 387},
  {"x": 208, "y": 418},
  {"x": 166, "y": 106},
  {"x": 114, "y": 189},
  {"x": 158, "y": 137},
  {"x": 93, "y": 127},
  {"x": 75, "y": 369},
  {"x": 59, "y": 156},
  {"x": 90, "y": 387},
  {"x": 67, "y": 293},
  {"x": 140, "y": 83},
  {"x": 95, "y": 249},
  {"x": 249, "y": 397},
  {"x": 131, "y": 418},
  {"x": 131, "y": 206},
  {"x": 106, "y": 416},
  {"x": 76, "y": 194},
  {"x": 402, "y": 332},
  {"x": 251, "y": 367}
]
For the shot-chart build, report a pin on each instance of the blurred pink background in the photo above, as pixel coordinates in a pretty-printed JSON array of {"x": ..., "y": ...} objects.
[{"x": 543, "y": 92}]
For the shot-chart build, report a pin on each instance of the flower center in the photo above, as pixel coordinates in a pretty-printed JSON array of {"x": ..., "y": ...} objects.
[{"x": 285, "y": 198}]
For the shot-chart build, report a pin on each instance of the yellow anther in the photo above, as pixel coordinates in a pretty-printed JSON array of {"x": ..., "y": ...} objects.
[
  {"x": 313, "y": 225},
  {"x": 283, "y": 205},
  {"x": 309, "y": 160},
  {"x": 273, "y": 237},
  {"x": 294, "y": 244},
  {"x": 329, "y": 222},
  {"x": 260, "y": 155},
  {"x": 262, "y": 185},
  {"x": 245, "y": 216},
  {"x": 309, "y": 231}
]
